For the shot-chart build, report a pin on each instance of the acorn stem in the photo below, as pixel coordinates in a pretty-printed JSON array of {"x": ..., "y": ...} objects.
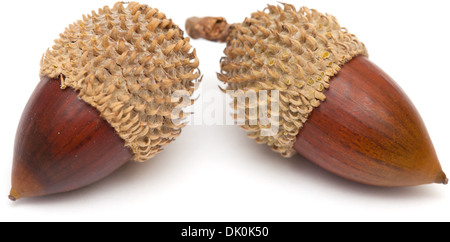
[{"x": 211, "y": 28}]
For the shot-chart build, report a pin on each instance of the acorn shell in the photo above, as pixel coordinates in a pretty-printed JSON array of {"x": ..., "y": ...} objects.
[
  {"x": 62, "y": 144},
  {"x": 369, "y": 131}
]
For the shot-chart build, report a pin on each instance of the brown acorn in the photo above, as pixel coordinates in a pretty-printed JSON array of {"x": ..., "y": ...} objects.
[
  {"x": 334, "y": 106},
  {"x": 105, "y": 98}
]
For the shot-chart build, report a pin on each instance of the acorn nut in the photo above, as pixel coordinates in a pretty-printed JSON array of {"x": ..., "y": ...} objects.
[
  {"x": 105, "y": 98},
  {"x": 334, "y": 106}
]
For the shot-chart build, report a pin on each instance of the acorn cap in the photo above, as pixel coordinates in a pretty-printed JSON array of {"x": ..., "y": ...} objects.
[
  {"x": 295, "y": 52},
  {"x": 127, "y": 62}
]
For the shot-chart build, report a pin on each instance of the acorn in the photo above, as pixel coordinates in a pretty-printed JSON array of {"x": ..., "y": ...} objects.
[
  {"x": 333, "y": 105},
  {"x": 105, "y": 98}
]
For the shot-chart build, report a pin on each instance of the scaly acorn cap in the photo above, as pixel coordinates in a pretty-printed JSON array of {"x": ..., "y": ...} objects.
[
  {"x": 294, "y": 52},
  {"x": 127, "y": 62}
]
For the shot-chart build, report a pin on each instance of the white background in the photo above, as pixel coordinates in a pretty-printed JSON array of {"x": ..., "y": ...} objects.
[{"x": 214, "y": 172}]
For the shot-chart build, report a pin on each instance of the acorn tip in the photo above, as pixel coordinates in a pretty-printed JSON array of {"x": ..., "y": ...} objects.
[
  {"x": 441, "y": 178},
  {"x": 14, "y": 195}
]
